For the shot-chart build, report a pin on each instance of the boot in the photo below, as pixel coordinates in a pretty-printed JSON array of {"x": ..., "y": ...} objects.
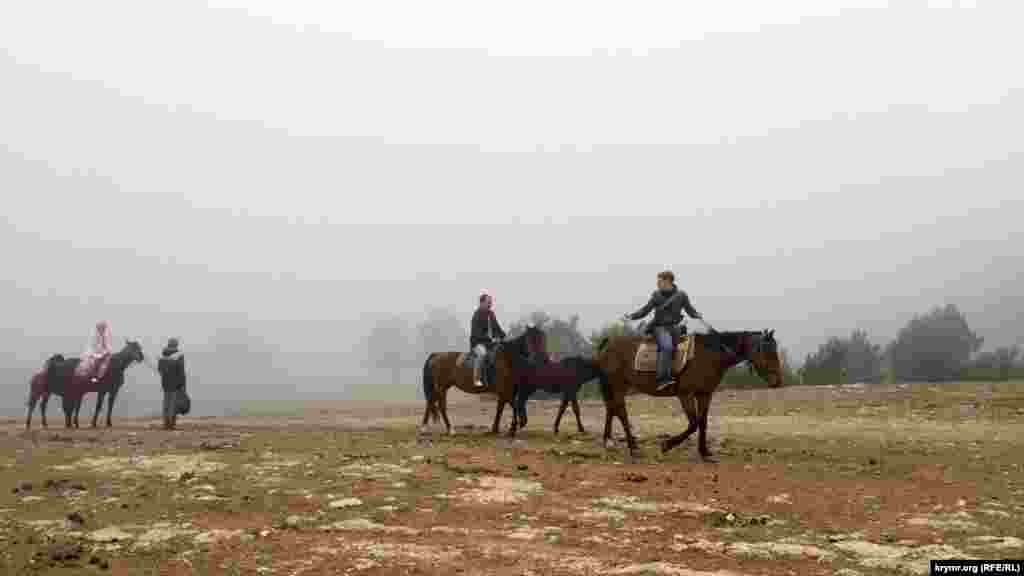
[
  {"x": 476, "y": 372},
  {"x": 664, "y": 369}
]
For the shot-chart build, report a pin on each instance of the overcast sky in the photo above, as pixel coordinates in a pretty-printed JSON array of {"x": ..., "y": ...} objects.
[{"x": 304, "y": 167}]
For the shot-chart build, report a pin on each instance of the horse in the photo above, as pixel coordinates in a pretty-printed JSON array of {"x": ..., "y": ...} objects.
[
  {"x": 42, "y": 384},
  {"x": 564, "y": 378},
  {"x": 695, "y": 383},
  {"x": 512, "y": 361},
  {"x": 77, "y": 386}
]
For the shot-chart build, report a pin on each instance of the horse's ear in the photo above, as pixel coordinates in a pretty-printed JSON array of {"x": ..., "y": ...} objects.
[{"x": 771, "y": 334}]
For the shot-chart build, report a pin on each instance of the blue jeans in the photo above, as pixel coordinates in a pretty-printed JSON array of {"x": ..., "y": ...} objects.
[{"x": 665, "y": 339}]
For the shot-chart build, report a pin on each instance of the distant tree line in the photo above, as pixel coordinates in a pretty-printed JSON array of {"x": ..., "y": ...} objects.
[
  {"x": 933, "y": 347},
  {"x": 936, "y": 346}
]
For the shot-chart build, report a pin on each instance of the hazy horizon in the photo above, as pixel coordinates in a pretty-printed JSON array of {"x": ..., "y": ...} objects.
[{"x": 283, "y": 174}]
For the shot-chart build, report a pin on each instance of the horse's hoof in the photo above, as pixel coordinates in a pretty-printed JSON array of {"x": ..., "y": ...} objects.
[
  {"x": 608, "y": 443},
  {"x": 451, "y": 431},
  {"x": 708, "y": 459},
  {"x": 665, "y": 447}
]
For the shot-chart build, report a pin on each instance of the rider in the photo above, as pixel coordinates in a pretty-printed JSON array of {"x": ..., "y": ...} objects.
[
  {"x": 668, "y": 302},
  {"x": 482, "y": 332},
  {"x": 96, "y": 359}
]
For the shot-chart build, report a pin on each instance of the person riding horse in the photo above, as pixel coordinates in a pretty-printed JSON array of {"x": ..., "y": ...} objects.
[
  {"x": 96, "y": 359},
  {"x": 484, "y": 335},
  {"x": 668, "y": 302}
]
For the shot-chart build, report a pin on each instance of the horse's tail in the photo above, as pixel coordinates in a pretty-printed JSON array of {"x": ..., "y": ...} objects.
[{"x": 428, "y": 387}]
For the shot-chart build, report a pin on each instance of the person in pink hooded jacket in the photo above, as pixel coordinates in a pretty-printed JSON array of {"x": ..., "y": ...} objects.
[{"x": 96, "y": 359}]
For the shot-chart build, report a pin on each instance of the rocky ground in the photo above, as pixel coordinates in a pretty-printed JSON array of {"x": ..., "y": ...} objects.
[{"x": 835, "y": 480}]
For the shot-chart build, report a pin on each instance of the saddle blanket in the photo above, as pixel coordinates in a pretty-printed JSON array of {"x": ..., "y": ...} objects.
[{"x": 646, "y": 359}]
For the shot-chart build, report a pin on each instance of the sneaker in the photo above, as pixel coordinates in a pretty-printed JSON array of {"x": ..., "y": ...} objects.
[{"x": 666, "y": 384}]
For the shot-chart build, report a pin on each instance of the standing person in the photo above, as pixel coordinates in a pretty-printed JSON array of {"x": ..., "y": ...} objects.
[
  {"x": 484, "y": 334},
  {"x": 172, "y": 377},
  {"x": 96, "y": 358},
  {"x": 668, "y": 303}
]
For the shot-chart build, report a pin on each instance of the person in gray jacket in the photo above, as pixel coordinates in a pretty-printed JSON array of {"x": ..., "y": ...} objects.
[
  {"x": 668, "y": 303},
  {"x": 172, "y": 377}
]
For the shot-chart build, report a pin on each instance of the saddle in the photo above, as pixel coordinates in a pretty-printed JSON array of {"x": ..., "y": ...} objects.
[
  {"x": 646, "y": 358},
  {"x": 488, "y": 369}
]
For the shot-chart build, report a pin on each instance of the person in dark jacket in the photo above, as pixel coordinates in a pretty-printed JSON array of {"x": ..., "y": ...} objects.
[
  {"x": 172, "y": 377},
  {"x": 484, "y": 334},
  {"x": 668, "y": 303}
]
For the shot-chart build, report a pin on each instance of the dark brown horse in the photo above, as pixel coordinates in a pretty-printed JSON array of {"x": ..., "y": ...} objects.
[
  {"x": 75, "y": 386},
  {"x": 564, "y": 378},
  {"x": 696, "y": 382},
  {"x": 44, "y": 383},
  {"x": 512, "y": 362}
]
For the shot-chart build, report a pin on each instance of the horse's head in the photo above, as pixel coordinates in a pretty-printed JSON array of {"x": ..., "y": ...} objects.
[
  {"x": 53, "y": 362},
  {"x": 530, "y": 346},
  {"x": 764, "y": 357},
  {"x": 132, "y": 352}
]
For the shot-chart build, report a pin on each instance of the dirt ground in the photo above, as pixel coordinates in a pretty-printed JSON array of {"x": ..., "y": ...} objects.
[{"x": 832, "y": 480}]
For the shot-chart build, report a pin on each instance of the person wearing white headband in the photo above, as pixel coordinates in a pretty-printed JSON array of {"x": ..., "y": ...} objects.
[{"x": 484, "y": 334}]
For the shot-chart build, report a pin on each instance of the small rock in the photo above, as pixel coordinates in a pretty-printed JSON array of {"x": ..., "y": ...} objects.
[
  {"x": 346, "y": 503},
  {"x": 76, "y": 518},
  {"x": 110, "y": 534},
  {"x": 522, "y": 467},
  {"x": 64, "y": 551},
  {"x": 635, "y": 477},
  {"x": 293, "y": 522},
  {"x": 22, "y": 487}
]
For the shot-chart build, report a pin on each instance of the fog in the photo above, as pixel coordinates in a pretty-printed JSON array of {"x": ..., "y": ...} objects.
[{"x": 268, "y": 182}]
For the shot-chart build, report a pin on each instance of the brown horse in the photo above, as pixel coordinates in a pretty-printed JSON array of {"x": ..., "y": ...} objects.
[
  {"x": 512, "y": 362},
  {"x": 44, "y": 383},
  {"x": 695, "y": 383}
]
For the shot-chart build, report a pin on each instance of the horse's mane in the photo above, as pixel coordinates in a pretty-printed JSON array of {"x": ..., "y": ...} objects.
[{"x": 730, "y": 339}]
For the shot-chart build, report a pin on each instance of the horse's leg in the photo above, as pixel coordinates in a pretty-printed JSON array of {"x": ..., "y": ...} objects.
[
  {"x": 42, "y": 407},
  {"x": 561, "y": 410},
  {"x": 67, "y": 403},
  {"x": 32, "y": 399},
  {"x": 691, "y": 416},
  {"x": 497, "y": 415},
  {"x": 576, "y": 411},
  {"x": 515, "y": 419},
  {"x": 703, "y": 407},
  {"x": 426, "y": 415},
  {"x": 608, "y": 413},
  {"x": 111, "y": 397},
  {"x": 624, "y": 418},
  {"x": 99, "y": 406},
  {"x": 443, "y": 405}
]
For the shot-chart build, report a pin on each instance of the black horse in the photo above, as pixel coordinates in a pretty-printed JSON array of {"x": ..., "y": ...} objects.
[
  {"x": 563, "y": 378},
  {"x": 75, "y": 387}
]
